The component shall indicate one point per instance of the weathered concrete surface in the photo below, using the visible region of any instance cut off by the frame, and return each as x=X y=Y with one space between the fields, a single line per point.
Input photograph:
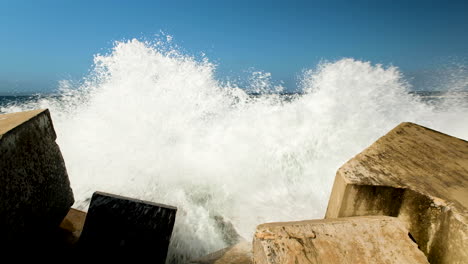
x=71 y=227
x=366 y=239
x=418 y=175
x=126 y=227
x=35 y=192
x=63 y=238
x=240 y=253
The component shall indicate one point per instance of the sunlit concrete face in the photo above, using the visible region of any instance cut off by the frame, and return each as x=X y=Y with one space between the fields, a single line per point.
x=364 y=239
x=418 y=175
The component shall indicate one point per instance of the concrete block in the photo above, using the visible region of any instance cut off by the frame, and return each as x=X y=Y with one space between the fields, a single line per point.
x=121 y=226
x=241 y=253
x=71 y=228
x=374 y=239
x=418 y=175
x=35 y=193
x=63 y=239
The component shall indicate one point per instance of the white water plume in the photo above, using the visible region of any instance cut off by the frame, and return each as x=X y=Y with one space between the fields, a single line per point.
x=154 y=124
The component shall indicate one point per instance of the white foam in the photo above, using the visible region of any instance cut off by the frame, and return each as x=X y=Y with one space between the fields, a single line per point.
x=154 y=124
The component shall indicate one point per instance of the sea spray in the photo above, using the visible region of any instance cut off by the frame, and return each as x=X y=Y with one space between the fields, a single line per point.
x=153 y=123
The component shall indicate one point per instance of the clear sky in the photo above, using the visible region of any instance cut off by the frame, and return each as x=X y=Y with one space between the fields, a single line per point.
x=42 y=42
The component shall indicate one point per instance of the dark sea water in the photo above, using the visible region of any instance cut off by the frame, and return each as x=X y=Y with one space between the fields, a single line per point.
x=19 y=102
x=425 y=95
x=7 y=100
x=430 y=97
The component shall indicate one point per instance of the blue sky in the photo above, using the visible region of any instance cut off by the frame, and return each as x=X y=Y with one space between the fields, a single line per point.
x=42 y=42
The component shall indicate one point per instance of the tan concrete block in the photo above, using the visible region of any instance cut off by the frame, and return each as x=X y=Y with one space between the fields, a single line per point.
x=240 y=253
x=418 y=175
x=367 y=239
x=72 y=226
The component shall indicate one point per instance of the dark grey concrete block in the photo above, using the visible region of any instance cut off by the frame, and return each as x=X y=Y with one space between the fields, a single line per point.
x=35 y=193
x=120 y=226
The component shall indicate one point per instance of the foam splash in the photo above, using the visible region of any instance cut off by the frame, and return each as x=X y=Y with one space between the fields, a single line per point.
x=154 y=124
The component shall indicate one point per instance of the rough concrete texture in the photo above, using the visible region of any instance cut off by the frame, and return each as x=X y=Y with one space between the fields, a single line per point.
x=418 y=175
x=35 y=193
x=240 y=253
x=365 y=239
